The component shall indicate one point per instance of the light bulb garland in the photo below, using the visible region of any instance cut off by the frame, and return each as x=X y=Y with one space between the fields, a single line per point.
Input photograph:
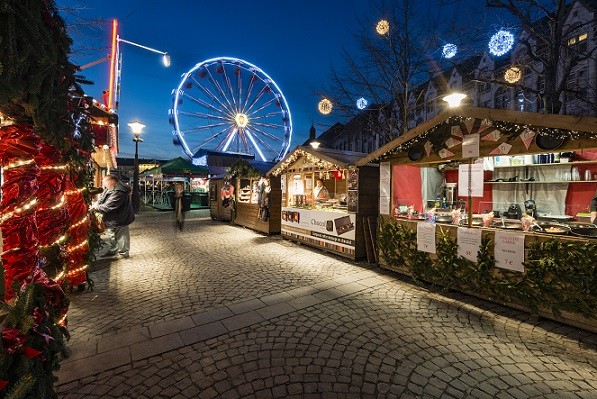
x=299 y=153
x=20 y=209
x=18 y=164
x=80 y=222
x=60 y=240
x=513 y=74
x=510 y=129
x=501 y=42
x=77 y=247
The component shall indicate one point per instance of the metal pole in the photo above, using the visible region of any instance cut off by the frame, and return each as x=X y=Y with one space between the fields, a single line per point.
x=136 y=196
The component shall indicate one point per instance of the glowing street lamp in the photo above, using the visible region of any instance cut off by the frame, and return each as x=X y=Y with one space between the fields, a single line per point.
x=454 y=99
x=137 y=128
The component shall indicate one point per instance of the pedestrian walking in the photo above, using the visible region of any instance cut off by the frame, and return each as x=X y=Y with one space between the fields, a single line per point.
x=117 y=211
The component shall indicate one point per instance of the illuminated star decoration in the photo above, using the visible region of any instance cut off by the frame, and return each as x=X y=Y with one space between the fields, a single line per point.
x=449 y=50
x=325 y=106
x=382 y=27
x=362 y=103
x=501 y=43
x=513 y=74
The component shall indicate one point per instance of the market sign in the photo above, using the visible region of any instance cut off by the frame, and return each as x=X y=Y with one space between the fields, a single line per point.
x=469 y=243
x=509 y=251
x=426 y=237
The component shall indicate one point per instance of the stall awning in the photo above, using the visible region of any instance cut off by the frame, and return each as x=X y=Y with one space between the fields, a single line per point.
x=496 y=126
x=179 y=167
x=331 y=159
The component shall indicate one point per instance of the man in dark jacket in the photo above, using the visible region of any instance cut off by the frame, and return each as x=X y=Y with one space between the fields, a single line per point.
x=115 y=206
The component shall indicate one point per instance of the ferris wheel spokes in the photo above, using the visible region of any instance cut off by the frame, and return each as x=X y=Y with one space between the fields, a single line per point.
x=214 y=97
x=217 y=85
x=256 y=146
x=204 y=103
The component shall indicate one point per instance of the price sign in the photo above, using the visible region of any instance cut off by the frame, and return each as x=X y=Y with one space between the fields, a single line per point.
x=469 y=242
x=509 y=251
x=426 y=237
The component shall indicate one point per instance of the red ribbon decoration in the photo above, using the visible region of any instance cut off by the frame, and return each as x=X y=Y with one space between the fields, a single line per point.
x=77 y=251
x=19 y=231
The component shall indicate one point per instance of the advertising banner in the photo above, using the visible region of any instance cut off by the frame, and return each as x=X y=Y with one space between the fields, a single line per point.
x=334 y=227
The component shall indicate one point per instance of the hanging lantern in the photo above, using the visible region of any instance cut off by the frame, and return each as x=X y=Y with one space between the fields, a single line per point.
x=382 y=27
x=325 y=106
x=513 y=74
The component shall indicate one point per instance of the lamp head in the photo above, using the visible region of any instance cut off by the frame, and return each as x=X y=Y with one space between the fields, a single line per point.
x=315 y=144
x=166 y=60
x=454 y=99
x=136 y=127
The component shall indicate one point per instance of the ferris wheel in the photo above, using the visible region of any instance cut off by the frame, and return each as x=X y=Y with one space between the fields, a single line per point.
x=230 y=105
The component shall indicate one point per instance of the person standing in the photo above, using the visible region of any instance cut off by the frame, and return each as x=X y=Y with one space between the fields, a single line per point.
x=117 y=210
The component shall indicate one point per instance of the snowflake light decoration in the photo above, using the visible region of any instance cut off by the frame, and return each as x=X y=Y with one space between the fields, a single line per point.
x=362 y=103
x=501 y=43
x=382 y=27
x=513 y=74
x=449 y=50
x=325 y=106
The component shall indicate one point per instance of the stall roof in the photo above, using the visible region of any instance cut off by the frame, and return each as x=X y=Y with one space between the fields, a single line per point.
x=338 y=158
x=179 y=166
x=566 y=123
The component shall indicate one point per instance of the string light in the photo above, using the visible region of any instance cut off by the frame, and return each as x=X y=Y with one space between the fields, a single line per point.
x=80 y=222
x=75 y=191
x=9 y=250
x=299 y=153
x=449 y=50
x=78 y=270
x=19 y=163
x=23 y=208
x=60 y=204
x=77 y=247
x=54 y=167
x=60 y=240
x=362 y=103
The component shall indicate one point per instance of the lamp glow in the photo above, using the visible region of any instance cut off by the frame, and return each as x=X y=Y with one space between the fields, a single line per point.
x=454 y=99
x=501 y=43
x=513 y=74
x=136 y=127
x=315 y=144
x=362 y=103
x=241 y=120
x=449 y=50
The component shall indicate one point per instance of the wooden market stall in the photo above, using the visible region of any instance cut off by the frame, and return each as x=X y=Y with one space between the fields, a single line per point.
x=334 y=213
x=508 y=214
x=258 y=198
x=221 y=198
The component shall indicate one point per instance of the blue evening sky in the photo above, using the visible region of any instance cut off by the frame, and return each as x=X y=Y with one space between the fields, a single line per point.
x=294 y=42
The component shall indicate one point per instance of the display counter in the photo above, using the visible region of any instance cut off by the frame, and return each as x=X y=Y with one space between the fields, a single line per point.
x=327 y=202
x=548 y=274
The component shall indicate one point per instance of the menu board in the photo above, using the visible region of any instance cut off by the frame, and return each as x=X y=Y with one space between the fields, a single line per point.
x=470 y=180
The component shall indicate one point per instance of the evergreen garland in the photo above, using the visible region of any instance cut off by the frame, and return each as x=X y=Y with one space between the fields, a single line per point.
x=559 y=275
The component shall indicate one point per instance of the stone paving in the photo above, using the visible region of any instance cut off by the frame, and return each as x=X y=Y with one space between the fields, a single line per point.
x=219 y=311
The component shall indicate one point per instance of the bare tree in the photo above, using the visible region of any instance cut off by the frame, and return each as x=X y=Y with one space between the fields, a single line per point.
x=549 y=51
x=386 y=66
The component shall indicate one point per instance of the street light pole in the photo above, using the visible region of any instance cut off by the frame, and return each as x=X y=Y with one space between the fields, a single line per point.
x=136 y=127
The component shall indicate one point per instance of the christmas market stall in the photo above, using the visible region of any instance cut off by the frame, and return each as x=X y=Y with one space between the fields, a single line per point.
x=221 y=197
x=258 y=197
x=158 y=184
x=495 y=203
x=327 y=201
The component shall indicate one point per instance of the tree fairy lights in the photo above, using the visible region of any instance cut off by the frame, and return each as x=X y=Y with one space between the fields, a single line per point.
x=501 y=42
x=325 y=106
x=362 y=103
x=513 y=74
x=382 y=27
x=449 y=50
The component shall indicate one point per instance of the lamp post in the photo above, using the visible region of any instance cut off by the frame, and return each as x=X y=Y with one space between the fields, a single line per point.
x=136 y=127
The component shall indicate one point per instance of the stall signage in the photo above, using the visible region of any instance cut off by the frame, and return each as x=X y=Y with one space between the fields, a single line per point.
x=470 y=176
x=384 y=188
x=470 y=146
x=469 y=242
x=335 y=227
x=509 y=251
x=426 y=237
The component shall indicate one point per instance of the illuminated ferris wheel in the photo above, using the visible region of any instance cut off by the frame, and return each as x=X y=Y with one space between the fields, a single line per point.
x=229 y=105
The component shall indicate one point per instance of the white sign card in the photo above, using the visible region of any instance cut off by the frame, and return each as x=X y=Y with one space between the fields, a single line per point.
x=469 y=242
x=470 y=146
x=384 y=188
x=426 y=237
x=470 y=173
x=509 y=251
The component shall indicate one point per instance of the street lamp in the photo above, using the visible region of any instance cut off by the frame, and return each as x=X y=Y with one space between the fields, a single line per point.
x=136 y=127
x=454 y=99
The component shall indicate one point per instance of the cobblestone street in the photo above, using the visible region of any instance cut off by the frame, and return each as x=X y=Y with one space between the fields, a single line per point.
x=219 y=311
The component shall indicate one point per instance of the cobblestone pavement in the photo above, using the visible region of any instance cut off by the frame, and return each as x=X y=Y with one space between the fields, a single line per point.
x=219 y=311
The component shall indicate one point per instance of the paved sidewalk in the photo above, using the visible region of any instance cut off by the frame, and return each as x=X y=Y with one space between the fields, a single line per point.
x=219 y=311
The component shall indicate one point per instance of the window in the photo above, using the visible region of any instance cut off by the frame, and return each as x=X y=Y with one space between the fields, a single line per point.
x=578 y=43
x=502 y=99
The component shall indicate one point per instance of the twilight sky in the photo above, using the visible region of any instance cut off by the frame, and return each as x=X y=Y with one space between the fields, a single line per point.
x=293 y=41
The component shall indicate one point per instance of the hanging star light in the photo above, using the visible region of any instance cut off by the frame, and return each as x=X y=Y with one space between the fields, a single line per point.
x=325 y=106
x=383 y=27
x=501 y=43
x=513 y=74
x=449 y=50
x=362 y=103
